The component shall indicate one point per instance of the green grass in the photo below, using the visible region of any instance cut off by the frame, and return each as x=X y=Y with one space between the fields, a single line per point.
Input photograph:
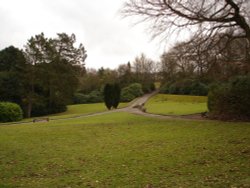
x=176 y=104
x=124 y=150
x=82 y=109
x=77 y=110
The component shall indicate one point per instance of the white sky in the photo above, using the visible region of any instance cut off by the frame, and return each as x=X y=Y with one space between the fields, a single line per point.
x=108 y=39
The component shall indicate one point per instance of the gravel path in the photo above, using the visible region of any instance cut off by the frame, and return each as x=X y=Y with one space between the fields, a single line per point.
x=135 y=107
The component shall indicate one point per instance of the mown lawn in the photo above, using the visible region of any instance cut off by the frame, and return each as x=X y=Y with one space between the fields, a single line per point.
x=78 y=110
x=124 y=150
x=176 y=104
x=82 y=109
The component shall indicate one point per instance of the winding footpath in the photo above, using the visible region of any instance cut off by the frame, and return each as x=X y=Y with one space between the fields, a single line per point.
x=135 y=107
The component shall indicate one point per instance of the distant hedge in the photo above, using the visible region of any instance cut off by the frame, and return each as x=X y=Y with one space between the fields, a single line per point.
x=230 y=101
x=185 y=87
x=10 y=112
x=93 y=97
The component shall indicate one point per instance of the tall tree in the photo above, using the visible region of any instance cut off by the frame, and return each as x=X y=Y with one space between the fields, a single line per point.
x=205 y=18
x=13 y=75
x=210 y=16
x=55 y=65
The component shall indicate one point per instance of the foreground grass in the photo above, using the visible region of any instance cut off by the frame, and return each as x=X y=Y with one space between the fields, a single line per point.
x=123 y=150
x=176 y=104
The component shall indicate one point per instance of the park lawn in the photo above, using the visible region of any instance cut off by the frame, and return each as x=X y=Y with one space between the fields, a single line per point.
x=77 y=110
x=125 y=150
x=176 y=104
x=83 y=109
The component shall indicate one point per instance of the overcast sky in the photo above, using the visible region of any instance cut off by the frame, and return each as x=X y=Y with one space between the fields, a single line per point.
x=108 y=39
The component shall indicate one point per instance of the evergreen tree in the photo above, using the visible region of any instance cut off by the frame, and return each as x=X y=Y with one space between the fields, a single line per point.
x=116 y=95
x=13 y=75
x=112 y=94
x=108 y=95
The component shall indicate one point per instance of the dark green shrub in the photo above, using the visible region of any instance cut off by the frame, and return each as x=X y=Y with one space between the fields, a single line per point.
x=148 y=87
x=135 y=89
x=10 y=112
x=231 y=100
x=95 y=97
x=42 y=107
x=152 y=86
x=165 y=88
x=126 y=95
x=131 y=92
x=116 y=95
x=199 y=89
x=185 y=87
x=112 y=94
x=107 y=92
x=80 y=98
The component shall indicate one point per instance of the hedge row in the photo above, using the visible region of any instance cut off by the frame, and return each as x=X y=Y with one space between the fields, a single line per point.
x=185 y=87
x=230 y=101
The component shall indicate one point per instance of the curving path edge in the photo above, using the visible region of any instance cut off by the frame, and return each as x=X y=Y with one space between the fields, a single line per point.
x=135 y=107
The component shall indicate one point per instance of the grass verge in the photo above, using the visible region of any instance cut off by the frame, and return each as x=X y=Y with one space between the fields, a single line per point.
x=176 y=104
x=124 y=150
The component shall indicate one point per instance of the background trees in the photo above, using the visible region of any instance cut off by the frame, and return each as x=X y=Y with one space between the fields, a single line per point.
x=204 y=20
x=43 y=78
x=13 y=75
x=56 y=63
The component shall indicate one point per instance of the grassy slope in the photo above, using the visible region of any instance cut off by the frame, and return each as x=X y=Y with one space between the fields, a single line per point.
x=81 y=109
x=176 y=104
x=123 y=150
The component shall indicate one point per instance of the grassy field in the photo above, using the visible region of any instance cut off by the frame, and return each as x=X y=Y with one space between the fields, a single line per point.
x=176 y=104
x=124 y=150
x=81 y=109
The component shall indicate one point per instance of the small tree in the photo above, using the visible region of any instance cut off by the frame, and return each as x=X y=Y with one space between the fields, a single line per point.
x=116 y=95
x=112 y=94
x=108 y=95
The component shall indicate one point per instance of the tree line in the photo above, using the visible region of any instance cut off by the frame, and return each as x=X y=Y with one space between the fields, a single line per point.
x=218 y=49
x=42 y=77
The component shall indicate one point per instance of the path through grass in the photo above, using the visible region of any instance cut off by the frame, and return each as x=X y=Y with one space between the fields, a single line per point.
x=124 y=150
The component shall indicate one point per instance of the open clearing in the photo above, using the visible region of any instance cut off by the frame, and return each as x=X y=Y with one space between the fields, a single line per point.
x=176 y=104
x=125 y=150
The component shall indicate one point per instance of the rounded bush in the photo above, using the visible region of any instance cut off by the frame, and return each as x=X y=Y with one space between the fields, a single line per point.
x=148 y=87
x=199 y=89
x=126 y=95
x=10 y=112
x=80 y=98
x=131 y=92
x=165 y=88
x=93 y=97
x=230 y=101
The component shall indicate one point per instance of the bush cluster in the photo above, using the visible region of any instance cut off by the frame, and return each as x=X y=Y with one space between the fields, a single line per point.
x=148 y=87
x=10 y=112
x=93 y=97
x=185 y=87
x=230 y=101
x=131 y=92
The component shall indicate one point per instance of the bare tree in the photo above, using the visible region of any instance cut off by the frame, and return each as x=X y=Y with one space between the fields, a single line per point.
x=203 y=17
